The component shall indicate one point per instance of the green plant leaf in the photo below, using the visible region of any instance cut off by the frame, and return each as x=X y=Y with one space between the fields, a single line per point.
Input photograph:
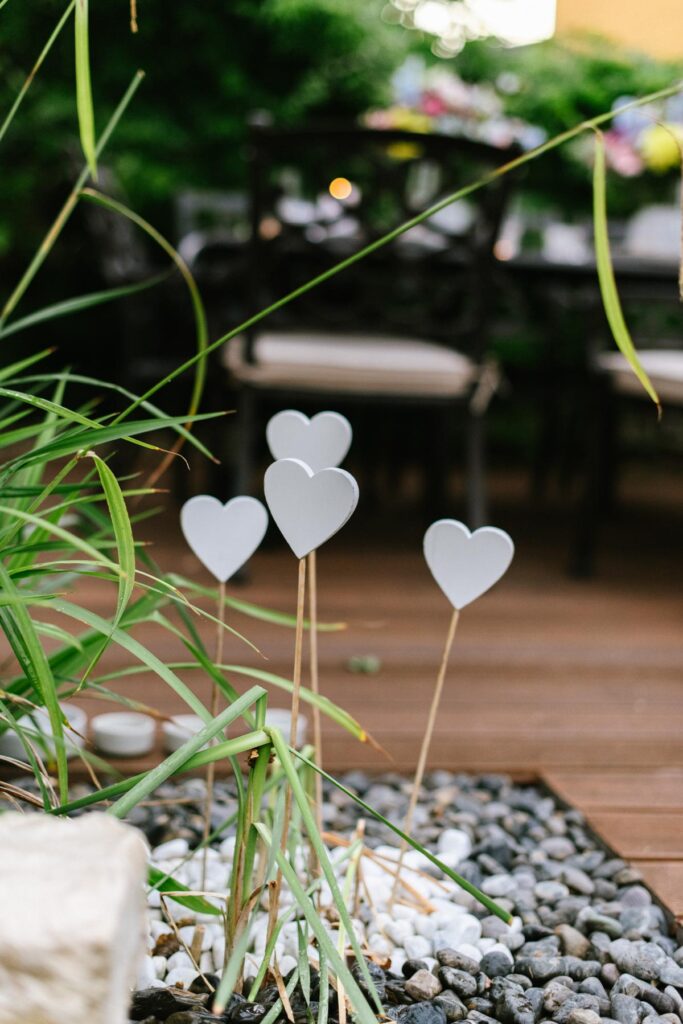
x=64 y=17
x=481 y=897
x=175 y=761
x=363 y=1012
x=608 y=287
x=86 y=115
x=167 y=884
x=67 y=209
x=26 y=645
x=125 y=547
x=76 y=305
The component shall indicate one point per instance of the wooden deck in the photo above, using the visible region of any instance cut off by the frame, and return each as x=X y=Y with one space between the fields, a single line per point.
x=579 y=683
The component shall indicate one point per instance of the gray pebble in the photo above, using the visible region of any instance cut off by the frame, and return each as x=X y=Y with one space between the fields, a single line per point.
x=625 y=1009
x=451 y=958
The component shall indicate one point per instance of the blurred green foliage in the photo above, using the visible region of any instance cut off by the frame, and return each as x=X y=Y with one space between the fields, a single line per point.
x=208 y=66
x=557 y=84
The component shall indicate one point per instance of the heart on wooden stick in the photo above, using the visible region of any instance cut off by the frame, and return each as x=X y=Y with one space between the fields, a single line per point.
x=223 y=537
x=321 y=442
x=308 y=507
x=464 y=564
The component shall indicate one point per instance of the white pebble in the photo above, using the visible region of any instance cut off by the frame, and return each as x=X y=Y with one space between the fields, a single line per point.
x=173 y=848
x=160 y=966
x=206 y=963
x=499 y=885
x=180 y=976
x=146 y=973
x=180 y=961
x=379 y=945
x=397 y=960
x=286 y=964
x=467 y=949
x=455 y=841
x=158 y=928
x=417 y=947
x=399 y=930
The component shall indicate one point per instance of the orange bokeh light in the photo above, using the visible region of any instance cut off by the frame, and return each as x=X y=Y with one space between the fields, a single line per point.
x=340 y=188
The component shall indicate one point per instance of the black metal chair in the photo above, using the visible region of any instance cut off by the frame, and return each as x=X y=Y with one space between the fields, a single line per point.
x=408 y=324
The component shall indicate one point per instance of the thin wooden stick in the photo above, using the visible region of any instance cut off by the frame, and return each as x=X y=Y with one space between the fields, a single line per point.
x=211 y=768
x=314 y=684
x=424 y=751
x=274 y=900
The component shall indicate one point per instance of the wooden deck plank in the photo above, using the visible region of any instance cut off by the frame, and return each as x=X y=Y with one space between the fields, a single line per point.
x=639 y=836
x=645 y=791
x=665 y=878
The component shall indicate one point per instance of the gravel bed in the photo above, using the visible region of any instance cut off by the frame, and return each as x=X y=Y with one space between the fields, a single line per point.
x=588 y=945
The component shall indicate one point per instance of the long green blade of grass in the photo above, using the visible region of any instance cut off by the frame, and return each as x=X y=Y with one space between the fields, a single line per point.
x=78 y=304
x=167 y=884
x=36 y=67
x=201 y=328
x=137 y=649
x=175 y=761
x=84 y=104
x=254 y=611
x=303 y=803
x=220 y=752
x=374 y=246
x=362 y=1010
x=12 y=369
x=481 y=897
x=608 y=287
x=68 y=207
x=28 y=648
x=125 y=547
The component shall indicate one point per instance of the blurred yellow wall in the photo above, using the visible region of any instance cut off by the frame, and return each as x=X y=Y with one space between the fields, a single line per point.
x=651 y=26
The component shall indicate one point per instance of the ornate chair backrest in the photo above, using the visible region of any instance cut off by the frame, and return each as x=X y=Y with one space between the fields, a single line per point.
x=319 y=194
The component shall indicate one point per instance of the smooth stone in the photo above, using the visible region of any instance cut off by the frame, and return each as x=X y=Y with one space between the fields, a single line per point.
x=460 y=982
x=573 y=942
x=642 y=959
x=499 y=885
x=671 y=974
x=625 y=1009
x=452 y=958
x=424 y=1013
x=495 y=964
x=454 y=1009
x=583 y=1017
x=423 y=985
x=411 y=967
x=162 y=1002
x=558 y=847
x=576 y=1001
x=515 y=1008
x=577 y=880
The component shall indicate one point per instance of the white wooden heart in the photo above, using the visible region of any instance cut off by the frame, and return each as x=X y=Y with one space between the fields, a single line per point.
x=321 y=442
x=309 y=507
x=464 y=564
x=223 y=537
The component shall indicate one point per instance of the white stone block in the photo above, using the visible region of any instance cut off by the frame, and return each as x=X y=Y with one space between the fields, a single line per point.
x=73 y=927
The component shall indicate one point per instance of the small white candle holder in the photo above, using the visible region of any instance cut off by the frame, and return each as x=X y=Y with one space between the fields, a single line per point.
x=123 y=733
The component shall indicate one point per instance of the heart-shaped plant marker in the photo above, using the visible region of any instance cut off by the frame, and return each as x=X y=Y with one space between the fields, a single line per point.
x=308 y=507
x=321 y=442
x=464 y=564
x=223 y=537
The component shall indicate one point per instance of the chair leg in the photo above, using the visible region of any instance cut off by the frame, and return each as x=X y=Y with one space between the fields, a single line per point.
x=599 y=468
x=477 y=510
x=244 y=460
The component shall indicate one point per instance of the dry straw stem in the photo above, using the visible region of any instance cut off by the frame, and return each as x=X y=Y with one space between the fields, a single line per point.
x=424 y=750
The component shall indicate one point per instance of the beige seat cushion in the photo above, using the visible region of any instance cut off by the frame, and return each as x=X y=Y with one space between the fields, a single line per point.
x=324 y=361
x=664 y=367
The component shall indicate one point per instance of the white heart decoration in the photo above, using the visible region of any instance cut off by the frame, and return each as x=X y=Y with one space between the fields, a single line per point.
x=223 y=537
x=309 y=507
x=320 y=442
x=464 y=564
